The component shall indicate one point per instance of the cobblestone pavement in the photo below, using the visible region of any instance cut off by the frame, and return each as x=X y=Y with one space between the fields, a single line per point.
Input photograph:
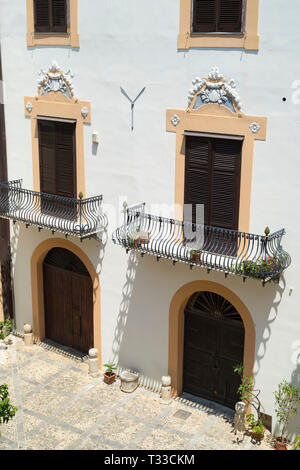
x=61 y=407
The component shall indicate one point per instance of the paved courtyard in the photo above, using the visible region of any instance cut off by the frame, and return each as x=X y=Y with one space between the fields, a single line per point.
x=61 y=407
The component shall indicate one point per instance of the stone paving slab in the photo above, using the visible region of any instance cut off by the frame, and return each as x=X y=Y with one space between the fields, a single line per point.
x=61 y=407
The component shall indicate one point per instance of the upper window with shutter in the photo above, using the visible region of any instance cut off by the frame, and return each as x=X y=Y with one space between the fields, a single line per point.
x=50 y=16
x=52 y=23
x=219 y=24
x=217 y=16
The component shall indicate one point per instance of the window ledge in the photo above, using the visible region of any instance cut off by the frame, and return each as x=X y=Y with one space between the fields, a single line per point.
x=218 y=40
x=53 y=39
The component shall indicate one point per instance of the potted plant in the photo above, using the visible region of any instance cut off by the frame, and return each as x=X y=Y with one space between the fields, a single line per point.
x=142 y=238
x=250 y=396
x=109 y=374
x=287 y=399
x=195 y=255
x=5 y=329
x=256 y=427
x=7 y=411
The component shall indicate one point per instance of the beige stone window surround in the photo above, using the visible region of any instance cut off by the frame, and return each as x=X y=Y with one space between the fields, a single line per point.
x=248 y=40
x=71 y=38
x=216 y=119
x=60 y=104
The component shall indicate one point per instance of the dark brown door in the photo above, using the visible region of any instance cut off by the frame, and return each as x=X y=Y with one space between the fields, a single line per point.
x=57 y=167
x=213 y=345
x=68 y=300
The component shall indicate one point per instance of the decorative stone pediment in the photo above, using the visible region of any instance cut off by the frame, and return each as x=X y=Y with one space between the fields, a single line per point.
x=214 y=89
x=57 y=81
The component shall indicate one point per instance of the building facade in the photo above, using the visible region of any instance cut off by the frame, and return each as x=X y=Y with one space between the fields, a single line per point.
x=171 y=103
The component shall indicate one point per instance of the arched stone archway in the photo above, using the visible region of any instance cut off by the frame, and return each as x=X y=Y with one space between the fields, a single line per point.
x=38 y=312
x=176 y=328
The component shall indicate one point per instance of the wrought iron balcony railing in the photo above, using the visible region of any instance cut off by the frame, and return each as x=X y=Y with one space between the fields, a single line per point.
x=249 y=255
x=78 y=217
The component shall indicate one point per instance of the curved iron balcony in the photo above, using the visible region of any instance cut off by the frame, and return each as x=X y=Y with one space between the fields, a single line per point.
x=249 y=255
x=77 y=217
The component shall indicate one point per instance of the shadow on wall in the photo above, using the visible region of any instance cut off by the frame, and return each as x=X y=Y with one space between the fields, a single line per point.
x=140 y=340
x=266 y=314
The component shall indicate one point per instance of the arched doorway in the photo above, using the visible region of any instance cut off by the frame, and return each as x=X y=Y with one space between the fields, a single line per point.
x=214 y=337
x=68 y=300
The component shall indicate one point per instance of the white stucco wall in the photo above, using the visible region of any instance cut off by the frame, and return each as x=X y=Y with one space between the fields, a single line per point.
x=134 y=44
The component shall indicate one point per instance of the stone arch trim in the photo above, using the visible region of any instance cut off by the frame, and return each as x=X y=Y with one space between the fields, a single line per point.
x=38 y=313
x=176 y=328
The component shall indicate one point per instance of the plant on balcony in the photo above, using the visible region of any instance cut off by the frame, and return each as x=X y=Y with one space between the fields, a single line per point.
x=250 y=396
x=287 y=398
x=261 y=267
x=7 y=411
x=5 y=329
x=195 y=255
x=109 y=374
x=137 y=238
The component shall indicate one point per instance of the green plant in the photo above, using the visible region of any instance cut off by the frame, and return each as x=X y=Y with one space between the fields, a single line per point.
x=247 y=392
x=7 y=411
x=5 y=328
x=110 y=369
x=132 y=237
x=256 y=426
x=287 y=399
x=261 y=267
x=296 y=445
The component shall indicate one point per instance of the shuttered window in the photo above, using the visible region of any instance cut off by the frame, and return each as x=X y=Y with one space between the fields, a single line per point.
x=212 y=178
x=57 y=158
x=50 y=16
x=217 y=16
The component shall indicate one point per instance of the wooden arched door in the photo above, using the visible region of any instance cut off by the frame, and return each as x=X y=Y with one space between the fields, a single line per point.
x=68 y=300
x=213 y=344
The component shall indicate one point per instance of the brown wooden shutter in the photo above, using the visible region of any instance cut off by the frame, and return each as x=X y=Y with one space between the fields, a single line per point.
x=204 y=16
x=225 y=195
x=217 y=16
x=197 y=175
x=230 y=16
x=42 y=16
x=59 y=16
x=65 y=159
x=212 y=178
x=47 y=157
x=57 y=158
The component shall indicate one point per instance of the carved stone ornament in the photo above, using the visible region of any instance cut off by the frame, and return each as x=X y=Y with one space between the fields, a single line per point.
x=29 y=106
x=254 y=127
x=175 y=120
x=56 y=80
x=215 y=89
x=84 y=112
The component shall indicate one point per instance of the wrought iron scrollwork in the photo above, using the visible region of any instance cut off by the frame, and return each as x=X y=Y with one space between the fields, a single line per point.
x=233 y=252
x=78 y=217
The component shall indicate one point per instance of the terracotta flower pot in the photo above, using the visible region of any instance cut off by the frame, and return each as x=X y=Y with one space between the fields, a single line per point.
x=142 y=239
x=109 y=379
x=258 y=436
x=196 y=257
x=281 y=443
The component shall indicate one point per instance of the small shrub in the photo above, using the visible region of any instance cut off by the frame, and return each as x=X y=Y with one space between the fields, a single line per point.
x=7 y=411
